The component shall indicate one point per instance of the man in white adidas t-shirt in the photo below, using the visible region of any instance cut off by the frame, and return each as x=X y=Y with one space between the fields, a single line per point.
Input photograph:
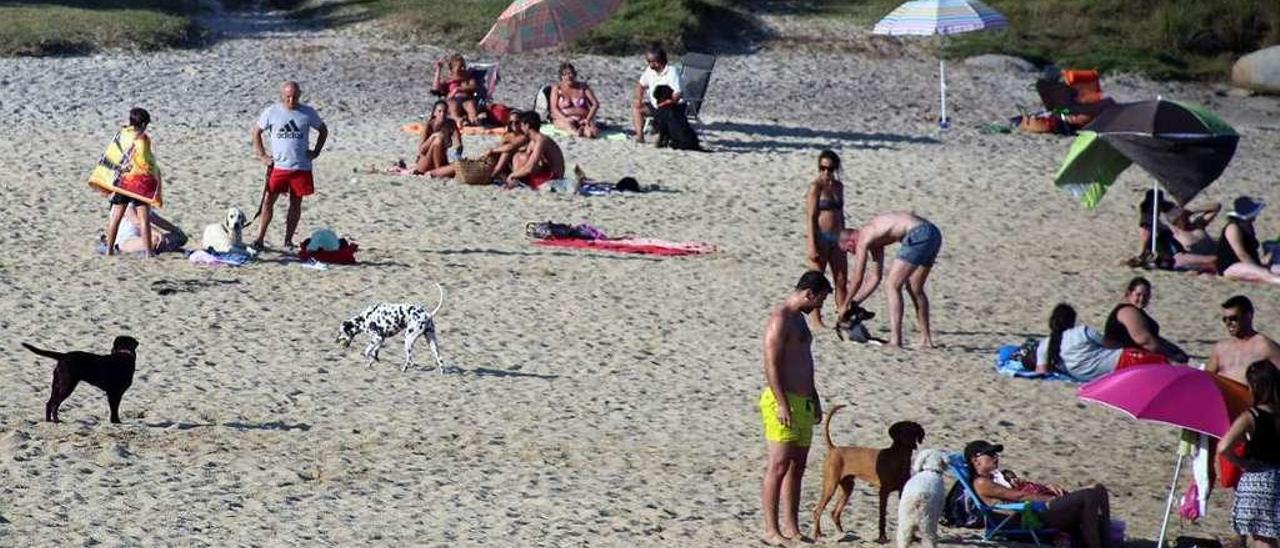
x=659 y=73
x=289 y=124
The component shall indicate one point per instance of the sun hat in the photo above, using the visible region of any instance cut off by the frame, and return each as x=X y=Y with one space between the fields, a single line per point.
x=323 y=240
x=981 y=447
x=1246 y=208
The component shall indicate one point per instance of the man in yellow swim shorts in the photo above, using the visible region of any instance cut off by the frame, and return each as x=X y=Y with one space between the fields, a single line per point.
x=789 y=405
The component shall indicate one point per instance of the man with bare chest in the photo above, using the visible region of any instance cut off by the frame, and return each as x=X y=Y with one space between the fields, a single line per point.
x=1232 y=356
x=789 y=404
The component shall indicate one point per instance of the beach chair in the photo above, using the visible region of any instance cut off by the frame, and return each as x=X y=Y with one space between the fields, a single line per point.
x=1000 y=520
x=1079 y=94
x=486 y=75
x=542 y=102
x=695 y=76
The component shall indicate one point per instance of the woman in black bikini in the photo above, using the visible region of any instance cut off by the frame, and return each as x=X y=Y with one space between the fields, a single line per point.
x=824 y=216
x=574 y=105
x=1129 y=327
x=1238 y=257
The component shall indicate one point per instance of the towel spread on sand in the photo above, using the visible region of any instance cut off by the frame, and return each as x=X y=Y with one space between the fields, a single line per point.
x=205 y=258
x=641 y=246
x=1007 y=366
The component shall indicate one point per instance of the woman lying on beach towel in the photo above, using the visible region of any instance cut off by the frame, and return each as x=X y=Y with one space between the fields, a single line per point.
x=1076 y=350
x=165 y=236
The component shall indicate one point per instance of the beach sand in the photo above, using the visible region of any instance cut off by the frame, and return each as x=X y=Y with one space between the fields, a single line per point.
x=601 y=400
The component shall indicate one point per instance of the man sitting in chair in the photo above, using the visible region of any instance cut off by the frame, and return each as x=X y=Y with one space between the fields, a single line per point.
x=659 y=73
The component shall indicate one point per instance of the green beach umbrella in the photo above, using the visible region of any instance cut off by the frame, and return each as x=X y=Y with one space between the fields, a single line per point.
x=1184 y=147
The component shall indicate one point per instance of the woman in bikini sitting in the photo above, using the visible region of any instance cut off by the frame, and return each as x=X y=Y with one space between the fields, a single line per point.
x=441 y=142
x=573 y=104
x=459 y=90
x=824 y=214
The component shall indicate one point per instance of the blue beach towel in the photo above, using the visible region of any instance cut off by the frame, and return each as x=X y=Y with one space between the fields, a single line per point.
x=1007 y=366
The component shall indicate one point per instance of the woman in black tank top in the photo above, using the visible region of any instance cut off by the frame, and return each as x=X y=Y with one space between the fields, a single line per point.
x=1256 y=510
x=1116 y=334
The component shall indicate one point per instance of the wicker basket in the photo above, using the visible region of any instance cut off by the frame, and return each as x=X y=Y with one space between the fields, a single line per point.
x=474 y=172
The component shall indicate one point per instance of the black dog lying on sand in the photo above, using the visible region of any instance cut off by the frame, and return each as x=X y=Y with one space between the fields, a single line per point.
x=113 y=373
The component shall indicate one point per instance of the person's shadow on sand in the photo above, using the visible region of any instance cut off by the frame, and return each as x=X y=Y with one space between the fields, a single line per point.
x=802 y=138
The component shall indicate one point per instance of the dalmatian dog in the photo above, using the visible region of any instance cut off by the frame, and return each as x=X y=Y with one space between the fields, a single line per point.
x=228 y=236
x=384 y=320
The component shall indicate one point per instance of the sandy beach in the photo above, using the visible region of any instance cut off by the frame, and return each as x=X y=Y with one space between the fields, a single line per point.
x=599 y=400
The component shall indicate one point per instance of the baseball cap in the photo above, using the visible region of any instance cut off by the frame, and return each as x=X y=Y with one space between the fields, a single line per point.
x=981 y=447
x=1246 y=208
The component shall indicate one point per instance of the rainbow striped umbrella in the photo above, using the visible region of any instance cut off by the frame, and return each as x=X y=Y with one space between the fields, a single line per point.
x=941 y=17
x=528 y=25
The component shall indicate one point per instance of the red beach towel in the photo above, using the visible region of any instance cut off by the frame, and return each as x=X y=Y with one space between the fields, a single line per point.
x=641 y=246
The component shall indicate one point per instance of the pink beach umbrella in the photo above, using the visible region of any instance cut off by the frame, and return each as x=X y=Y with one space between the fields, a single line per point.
x=1180 y=396
x=1171 y=394
x=536 y=24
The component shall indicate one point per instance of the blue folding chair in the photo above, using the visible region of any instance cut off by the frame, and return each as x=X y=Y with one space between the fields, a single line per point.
x=999 y=520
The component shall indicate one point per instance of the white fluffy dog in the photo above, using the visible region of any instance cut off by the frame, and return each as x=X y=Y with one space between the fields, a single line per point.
x=228 y=236
x=920 y=505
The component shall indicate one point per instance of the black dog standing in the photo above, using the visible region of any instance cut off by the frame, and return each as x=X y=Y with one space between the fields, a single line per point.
x=113 y=373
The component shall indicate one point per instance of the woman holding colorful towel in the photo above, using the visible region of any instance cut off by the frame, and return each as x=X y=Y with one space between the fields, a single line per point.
x=139 y=175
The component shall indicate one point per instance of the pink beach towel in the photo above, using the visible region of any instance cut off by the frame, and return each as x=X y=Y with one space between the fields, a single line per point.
x=642 y=246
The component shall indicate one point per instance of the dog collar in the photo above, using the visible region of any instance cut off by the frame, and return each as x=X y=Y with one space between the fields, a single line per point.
x=124 y=351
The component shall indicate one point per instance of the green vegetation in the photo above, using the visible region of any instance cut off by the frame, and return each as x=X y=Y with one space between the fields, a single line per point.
x=78 y=26
x=675 y=23
x=1177 y=39
x=1166 y=39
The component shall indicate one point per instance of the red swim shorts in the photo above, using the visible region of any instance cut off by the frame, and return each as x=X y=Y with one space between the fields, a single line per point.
x=297 y=182
x=1137 y=356
x=538 y=178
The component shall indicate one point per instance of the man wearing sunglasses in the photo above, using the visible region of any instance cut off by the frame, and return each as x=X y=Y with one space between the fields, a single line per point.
x=1232 y=356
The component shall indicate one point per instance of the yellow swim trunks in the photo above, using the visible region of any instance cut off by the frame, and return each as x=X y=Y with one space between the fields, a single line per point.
x=802 y=419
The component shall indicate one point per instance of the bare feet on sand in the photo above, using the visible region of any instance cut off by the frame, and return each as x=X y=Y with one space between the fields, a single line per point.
x=775 y=539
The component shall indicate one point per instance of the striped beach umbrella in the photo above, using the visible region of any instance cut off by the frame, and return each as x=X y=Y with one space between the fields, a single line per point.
x=528 y=25
x=940 y=17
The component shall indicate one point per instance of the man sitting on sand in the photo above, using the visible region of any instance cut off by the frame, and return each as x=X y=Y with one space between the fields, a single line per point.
x=921 y=240
x=540 y=160
x=1231 y=357
x=789 y=405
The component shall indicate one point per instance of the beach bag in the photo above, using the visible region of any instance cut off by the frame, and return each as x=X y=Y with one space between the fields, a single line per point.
x=1190 y=507
x=474 y=172
x=499 y=114
x=548 y=230
x=959 y=509
x=1026 y=354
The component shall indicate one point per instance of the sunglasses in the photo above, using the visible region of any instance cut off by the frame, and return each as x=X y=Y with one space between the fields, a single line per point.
x=1234 y=318
x=830 y=169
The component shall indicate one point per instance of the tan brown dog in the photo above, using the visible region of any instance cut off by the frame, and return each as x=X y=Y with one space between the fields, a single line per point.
x=887 y=468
